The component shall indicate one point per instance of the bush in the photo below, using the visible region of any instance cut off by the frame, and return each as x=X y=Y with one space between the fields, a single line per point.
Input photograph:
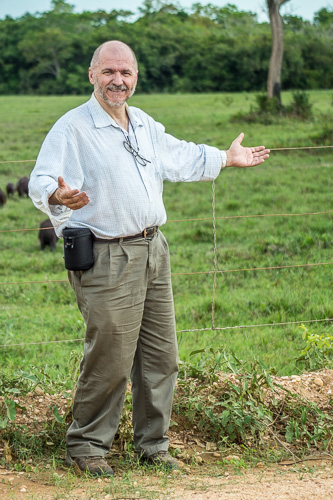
x=269 y=110
x=248 y=407
x=300 y=106
x=318 y=351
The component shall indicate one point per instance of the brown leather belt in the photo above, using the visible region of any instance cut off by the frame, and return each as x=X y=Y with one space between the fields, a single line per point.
x=149 y=231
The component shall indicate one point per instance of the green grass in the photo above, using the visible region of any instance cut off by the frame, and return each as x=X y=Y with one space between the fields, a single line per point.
x=289 y=182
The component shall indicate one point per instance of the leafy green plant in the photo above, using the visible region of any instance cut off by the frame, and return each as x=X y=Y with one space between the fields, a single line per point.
x=237 y=413
x=7 y=412
x=44 y=438
x=241 y=408
x=307 y=424
x=208 y=362
x=317 y=352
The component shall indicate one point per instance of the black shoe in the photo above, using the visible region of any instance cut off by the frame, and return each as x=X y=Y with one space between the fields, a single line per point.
x=95 y=466
x=161 y=459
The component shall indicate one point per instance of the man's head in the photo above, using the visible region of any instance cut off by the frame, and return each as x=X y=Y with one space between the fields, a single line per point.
x=114 y=73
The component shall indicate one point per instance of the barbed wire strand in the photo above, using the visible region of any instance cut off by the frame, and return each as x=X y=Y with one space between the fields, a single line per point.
x=251 y=216
x=184 y=331
x=271 y=149
x=194 y=273
x=300 y=147
x=17 y=161
x=33 y=282
x=254 y=326
x=253 y=269
x=197 y=219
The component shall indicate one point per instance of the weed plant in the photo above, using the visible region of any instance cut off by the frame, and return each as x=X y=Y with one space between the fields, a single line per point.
x=247 y=410
x=269 y=110
x=317 y=352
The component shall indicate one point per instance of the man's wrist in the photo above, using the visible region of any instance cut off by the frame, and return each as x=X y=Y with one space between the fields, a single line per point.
x=54 y=198
x=224 y=158
x=228 y=161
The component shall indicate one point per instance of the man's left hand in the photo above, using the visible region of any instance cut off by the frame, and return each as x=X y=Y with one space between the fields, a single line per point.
x=238 y=156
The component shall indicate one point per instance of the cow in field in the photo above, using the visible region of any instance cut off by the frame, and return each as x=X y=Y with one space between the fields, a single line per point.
x=47 y=235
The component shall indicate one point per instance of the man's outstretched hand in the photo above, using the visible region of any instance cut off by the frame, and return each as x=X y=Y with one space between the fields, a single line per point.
x=238 y=156
x=71 y=198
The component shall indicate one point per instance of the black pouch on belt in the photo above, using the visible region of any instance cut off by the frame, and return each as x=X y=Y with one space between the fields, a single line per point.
x=78 y=248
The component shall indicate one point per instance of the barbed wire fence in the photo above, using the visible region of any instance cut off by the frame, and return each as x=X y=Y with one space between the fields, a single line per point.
x=215 y=272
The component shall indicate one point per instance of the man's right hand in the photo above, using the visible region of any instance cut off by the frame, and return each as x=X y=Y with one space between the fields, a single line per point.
x=71 y=198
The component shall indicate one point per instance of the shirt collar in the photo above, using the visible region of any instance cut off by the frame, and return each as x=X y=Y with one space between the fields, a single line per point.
x=102 y=119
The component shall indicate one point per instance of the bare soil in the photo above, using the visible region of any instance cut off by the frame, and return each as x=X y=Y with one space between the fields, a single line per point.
x=205 y=472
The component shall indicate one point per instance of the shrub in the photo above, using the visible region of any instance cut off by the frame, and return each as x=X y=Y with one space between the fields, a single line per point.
x=269 y=110
x=317 y=352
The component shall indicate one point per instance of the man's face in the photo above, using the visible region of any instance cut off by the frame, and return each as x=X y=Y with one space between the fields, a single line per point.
x=114 y=76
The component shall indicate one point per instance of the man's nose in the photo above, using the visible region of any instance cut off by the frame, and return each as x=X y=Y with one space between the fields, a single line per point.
x=117 y=78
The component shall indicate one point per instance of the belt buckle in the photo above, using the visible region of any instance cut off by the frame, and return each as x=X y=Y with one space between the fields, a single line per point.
x=145 y=233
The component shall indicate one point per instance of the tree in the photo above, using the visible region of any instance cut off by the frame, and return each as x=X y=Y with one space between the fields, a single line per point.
x=275 y=65
x=47 y=49
x=202 y=49
x=62 y=7
x=324 y=17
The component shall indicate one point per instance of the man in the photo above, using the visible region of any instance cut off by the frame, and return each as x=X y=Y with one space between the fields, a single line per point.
x=102 y=167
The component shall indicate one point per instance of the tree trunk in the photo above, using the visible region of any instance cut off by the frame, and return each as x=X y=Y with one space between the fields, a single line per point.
x=275 y=65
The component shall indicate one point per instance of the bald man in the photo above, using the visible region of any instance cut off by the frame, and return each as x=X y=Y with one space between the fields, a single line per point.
x=101 y=168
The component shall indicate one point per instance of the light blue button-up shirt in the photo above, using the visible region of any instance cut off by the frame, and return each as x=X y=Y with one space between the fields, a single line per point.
x=85 y=147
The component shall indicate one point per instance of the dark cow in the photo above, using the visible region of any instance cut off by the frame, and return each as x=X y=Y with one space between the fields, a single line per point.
x=47 y=236
x=10 y=189
x=22 y=186
x=3 y=198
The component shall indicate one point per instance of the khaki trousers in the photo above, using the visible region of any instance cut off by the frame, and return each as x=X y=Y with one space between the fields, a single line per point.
x=127 y=304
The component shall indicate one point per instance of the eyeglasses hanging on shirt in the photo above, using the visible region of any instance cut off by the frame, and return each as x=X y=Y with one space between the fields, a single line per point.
x=135 y=152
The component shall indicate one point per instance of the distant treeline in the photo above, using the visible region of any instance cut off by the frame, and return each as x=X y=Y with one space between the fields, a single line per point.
x=202 y=49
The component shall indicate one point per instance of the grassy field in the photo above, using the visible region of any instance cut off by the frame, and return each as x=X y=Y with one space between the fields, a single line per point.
x=293 y=182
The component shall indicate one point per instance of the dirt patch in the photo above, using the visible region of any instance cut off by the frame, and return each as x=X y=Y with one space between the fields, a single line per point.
x=306 y=481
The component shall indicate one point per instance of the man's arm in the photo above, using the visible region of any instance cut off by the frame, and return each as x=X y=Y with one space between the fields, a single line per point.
x=238 y=156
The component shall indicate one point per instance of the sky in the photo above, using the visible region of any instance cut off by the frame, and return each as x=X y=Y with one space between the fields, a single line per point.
x=301 y=8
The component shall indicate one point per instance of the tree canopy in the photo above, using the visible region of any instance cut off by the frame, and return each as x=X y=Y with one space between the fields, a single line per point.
x=202 y=49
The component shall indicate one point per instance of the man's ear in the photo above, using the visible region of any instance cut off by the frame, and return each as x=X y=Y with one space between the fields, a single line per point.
x=91 y=76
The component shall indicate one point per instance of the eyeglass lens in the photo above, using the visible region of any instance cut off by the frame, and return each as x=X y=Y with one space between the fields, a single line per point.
x=136 y=155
